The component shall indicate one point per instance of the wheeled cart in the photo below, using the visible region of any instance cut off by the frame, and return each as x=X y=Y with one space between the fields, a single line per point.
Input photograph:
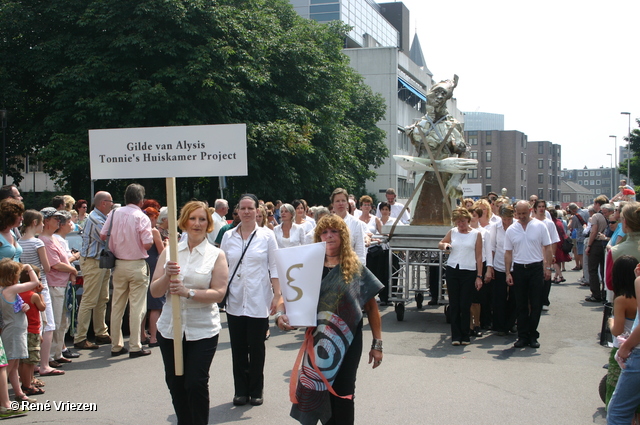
x=416 y=266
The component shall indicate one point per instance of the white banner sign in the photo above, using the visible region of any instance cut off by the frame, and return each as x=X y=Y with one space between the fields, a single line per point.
x=300 y=274
x=185 y=151
x=471 y=189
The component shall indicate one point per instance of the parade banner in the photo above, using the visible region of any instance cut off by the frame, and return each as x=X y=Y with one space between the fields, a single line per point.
x=169 y=152
x=300 y=273
x=184 y=151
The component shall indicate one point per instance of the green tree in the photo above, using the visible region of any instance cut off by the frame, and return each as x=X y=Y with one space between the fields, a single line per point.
x=635 y=159
x=73 y=65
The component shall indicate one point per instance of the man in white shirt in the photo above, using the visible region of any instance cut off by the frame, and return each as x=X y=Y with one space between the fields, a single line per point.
x=540 y=211
x=221 y=209
x=527 y=246
x=396 y=207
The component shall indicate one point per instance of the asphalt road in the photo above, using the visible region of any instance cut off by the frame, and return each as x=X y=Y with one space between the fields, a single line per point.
x=423 y=379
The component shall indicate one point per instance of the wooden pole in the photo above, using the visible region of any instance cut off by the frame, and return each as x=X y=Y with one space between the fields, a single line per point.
x=172 y=210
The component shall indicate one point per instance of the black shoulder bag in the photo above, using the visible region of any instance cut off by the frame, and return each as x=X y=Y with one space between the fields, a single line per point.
x=108 y=258
x=226 y=295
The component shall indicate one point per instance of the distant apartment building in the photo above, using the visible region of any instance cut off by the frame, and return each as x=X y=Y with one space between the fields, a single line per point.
x=544 y=171
x=502 y=161
x=483 y=121
x=597 y=180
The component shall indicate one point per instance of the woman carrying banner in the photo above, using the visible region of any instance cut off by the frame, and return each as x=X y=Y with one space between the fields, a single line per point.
x=203 y=273
x=254 y=281
x=323 y=390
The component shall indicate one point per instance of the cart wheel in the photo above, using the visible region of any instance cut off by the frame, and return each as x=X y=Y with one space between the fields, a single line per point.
x=419 y=299
x=400 y=312
x=602 y=388
x=446 y=314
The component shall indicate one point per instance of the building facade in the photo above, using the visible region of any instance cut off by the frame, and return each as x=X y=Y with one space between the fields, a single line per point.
x=544 y=171
x=597 y=180
x=483 y=121
x=502 y=161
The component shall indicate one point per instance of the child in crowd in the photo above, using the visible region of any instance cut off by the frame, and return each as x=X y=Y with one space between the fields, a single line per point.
x=36 y=305
x=34 y=253
x=12 y=308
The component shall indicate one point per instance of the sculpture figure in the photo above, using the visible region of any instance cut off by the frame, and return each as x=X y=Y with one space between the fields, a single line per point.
x=441 y=156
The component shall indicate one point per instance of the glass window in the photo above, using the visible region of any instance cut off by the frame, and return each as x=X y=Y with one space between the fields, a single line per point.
x=540 y=178
x=540 y=193
x=579 y=173
x=591 y=173
x=598 y=173
x=473 y=141
x=323 y=8
x=473 y=154
x=487 y=188
x=598 y=182
x=473 y=174
x=592 y=182
x=487 y=156
x=325 y=17
x=540 y=148
x=540 y=164
x=487 y=173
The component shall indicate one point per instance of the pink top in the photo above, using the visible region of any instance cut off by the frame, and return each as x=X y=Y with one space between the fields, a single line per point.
x=55 y=254
x=131 y=230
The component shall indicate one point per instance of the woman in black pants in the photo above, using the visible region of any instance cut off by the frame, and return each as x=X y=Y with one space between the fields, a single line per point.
x=464 y=272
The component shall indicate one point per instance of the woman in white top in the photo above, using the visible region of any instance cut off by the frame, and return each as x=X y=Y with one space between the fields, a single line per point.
x=250 y=251
x=385 y=212
x=301 y=219
x=503 y=300
x=287 y=232
x=201 y=275
x=464 y=267
x=481 y=300
x=373 y=223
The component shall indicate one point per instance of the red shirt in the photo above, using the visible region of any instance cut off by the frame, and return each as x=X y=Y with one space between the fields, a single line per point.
x=33 y=314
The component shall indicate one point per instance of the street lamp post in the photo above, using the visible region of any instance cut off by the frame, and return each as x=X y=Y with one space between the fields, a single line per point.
x=615 y=157
x=611 y=160
x=628 y=148
x=3 y=116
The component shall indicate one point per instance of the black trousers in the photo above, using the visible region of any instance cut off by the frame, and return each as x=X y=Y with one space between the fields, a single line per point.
x=460 y=286
x=378 y=264
x=528 y=284
x=342 y=410
x=503 y=302
x=248 y=353
x=189 y=392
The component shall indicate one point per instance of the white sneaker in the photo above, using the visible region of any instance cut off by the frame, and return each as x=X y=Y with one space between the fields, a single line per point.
x=545 y=308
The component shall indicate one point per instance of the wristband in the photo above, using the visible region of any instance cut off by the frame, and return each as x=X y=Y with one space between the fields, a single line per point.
x=479 y=277
x=376 y=344
x=277 y=316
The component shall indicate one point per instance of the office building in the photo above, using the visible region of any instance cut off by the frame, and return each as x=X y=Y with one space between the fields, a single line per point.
x=483 y=121
x=544 y=171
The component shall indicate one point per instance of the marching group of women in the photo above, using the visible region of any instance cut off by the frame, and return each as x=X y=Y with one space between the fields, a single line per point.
x=242 y=273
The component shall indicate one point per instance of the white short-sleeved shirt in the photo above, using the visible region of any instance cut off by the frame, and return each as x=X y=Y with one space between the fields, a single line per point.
x=296 y=236
x=486 y=245
x=497 y=233
x=250 y=292
x=527 y=244
x=553 y=231
x=199 y=320
x=357 y=230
